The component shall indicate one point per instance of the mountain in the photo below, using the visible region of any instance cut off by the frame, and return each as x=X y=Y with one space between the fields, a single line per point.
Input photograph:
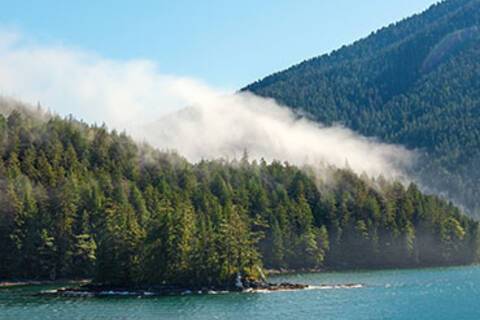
x=79 y=201
x=415 y=83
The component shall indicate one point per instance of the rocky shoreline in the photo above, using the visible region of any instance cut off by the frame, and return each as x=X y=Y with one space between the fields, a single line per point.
x=103 y=291
x=20 y=283
x=95 y=290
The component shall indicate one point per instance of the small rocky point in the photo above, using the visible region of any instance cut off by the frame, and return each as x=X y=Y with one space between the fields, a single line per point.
x=164 y=290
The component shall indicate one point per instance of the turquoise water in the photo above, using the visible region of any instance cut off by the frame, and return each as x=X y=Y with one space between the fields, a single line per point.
x=446 y=293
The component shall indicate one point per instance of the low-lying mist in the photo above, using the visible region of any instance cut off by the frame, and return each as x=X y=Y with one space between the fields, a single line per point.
x=217 y=125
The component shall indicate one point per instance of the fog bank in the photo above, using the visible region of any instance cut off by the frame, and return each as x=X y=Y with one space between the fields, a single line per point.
x=224 y=125
x=180 y=113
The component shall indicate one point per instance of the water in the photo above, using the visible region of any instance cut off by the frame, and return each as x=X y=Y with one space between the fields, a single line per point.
x=445 y=293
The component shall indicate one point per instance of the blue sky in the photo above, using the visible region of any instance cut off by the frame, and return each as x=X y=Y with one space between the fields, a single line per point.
x=226 y=44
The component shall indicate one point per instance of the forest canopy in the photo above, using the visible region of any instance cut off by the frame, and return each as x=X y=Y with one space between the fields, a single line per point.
x=80 y=201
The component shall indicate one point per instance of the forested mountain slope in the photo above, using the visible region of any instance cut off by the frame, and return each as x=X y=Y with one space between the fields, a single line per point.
x=78 y=201
x=416 y=83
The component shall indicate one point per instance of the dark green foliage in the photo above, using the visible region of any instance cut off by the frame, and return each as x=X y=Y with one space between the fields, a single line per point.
x=80 y=202
x=416 y=83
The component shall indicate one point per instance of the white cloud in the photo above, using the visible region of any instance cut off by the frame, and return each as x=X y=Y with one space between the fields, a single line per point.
x=91 y=87
x=132 y=94
x=223 y=125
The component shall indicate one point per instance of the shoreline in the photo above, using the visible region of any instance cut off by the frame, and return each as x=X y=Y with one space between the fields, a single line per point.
x=280 y=272
x=106 y=292
x=20 y=283
x=89 y=290
x=270 y=272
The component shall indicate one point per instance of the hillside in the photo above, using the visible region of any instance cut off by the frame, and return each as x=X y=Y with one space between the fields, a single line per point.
x=79 y=201
x=416 y=83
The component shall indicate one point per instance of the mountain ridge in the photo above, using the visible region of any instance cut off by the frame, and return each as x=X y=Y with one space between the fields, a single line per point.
x=413 y=83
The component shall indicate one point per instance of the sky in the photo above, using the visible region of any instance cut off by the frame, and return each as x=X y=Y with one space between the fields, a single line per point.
x=226 y=44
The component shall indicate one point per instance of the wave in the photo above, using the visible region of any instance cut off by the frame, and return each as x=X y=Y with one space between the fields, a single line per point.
x=311 y=287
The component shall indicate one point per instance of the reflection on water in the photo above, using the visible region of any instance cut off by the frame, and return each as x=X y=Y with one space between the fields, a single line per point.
x=447 y=293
